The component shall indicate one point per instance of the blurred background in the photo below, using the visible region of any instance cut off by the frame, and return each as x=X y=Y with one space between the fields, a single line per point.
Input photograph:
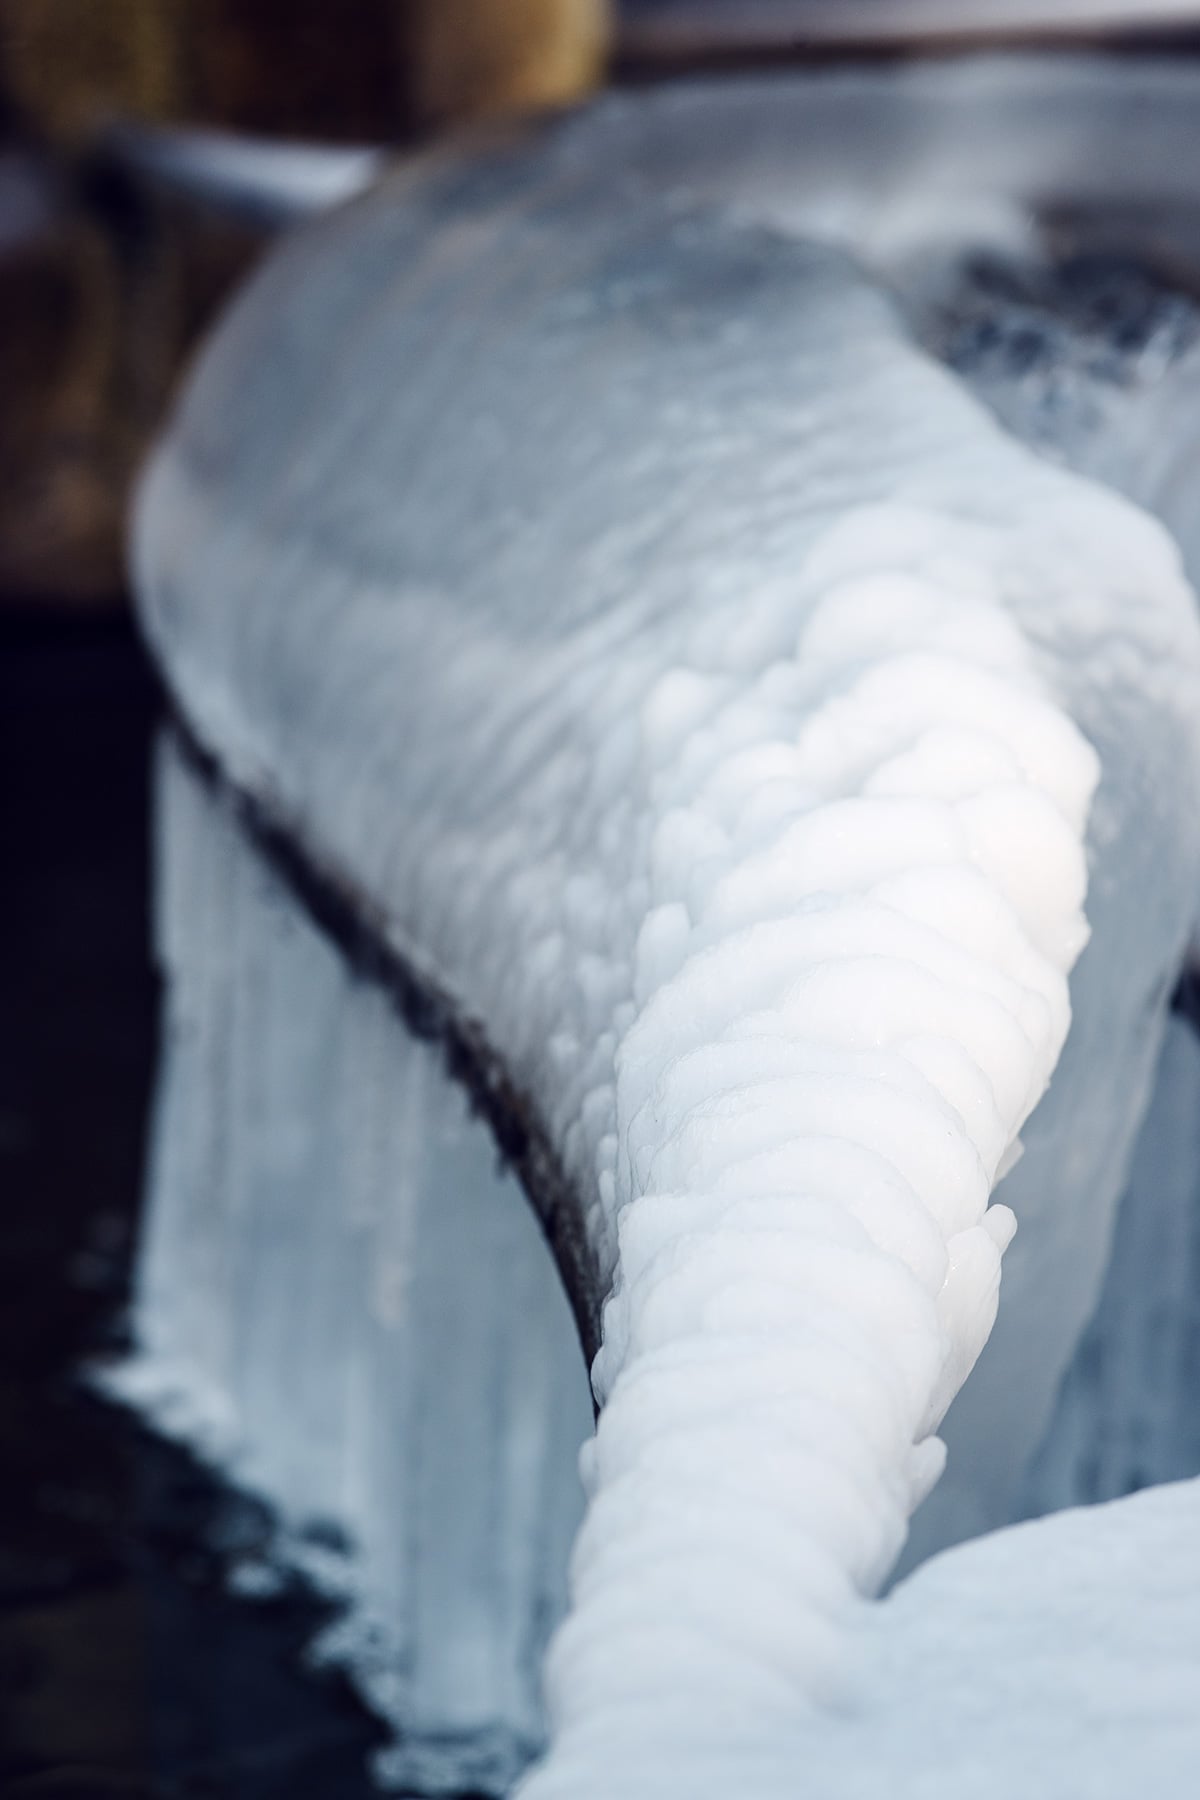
x=131 y=1661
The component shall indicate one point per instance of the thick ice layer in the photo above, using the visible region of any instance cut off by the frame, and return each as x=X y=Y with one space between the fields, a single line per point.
x=1127 y=1414
x=345 y=1303
x=702 y=693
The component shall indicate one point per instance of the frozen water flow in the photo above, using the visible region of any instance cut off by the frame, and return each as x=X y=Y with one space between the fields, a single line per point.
x=1127 y=1413
x=345 y=1303
x=727 y=725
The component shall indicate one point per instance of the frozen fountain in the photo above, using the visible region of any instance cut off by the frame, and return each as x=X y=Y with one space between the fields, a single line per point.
x=673 y=670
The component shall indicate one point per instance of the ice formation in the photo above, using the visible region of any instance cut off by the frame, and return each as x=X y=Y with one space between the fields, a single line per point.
x=266 y=181
x=699 y=701
x=345 y=1304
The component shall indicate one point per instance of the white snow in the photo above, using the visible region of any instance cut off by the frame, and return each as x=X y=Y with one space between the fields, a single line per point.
x=711 y=698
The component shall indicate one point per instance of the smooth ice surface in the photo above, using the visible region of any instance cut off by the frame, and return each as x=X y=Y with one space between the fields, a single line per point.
x=1127 y=1413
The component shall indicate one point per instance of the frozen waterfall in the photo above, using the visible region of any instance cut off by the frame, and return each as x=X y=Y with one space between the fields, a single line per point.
x=635 y=705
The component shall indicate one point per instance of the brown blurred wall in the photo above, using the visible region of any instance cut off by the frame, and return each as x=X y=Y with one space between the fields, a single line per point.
x=101 y=297
x=330 y=69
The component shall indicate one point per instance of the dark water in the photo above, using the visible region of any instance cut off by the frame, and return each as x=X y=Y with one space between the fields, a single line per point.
x=126 y=1667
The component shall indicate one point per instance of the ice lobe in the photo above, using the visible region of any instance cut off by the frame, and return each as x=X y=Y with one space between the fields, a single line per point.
x=1019 y=208
x=705 y=693
x=1059 y=1657
x=812 y=1109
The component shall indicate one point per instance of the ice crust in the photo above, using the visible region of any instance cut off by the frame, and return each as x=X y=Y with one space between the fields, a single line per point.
x=708 y=697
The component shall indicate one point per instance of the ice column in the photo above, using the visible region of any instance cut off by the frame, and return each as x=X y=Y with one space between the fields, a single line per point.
x=346 y=1302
